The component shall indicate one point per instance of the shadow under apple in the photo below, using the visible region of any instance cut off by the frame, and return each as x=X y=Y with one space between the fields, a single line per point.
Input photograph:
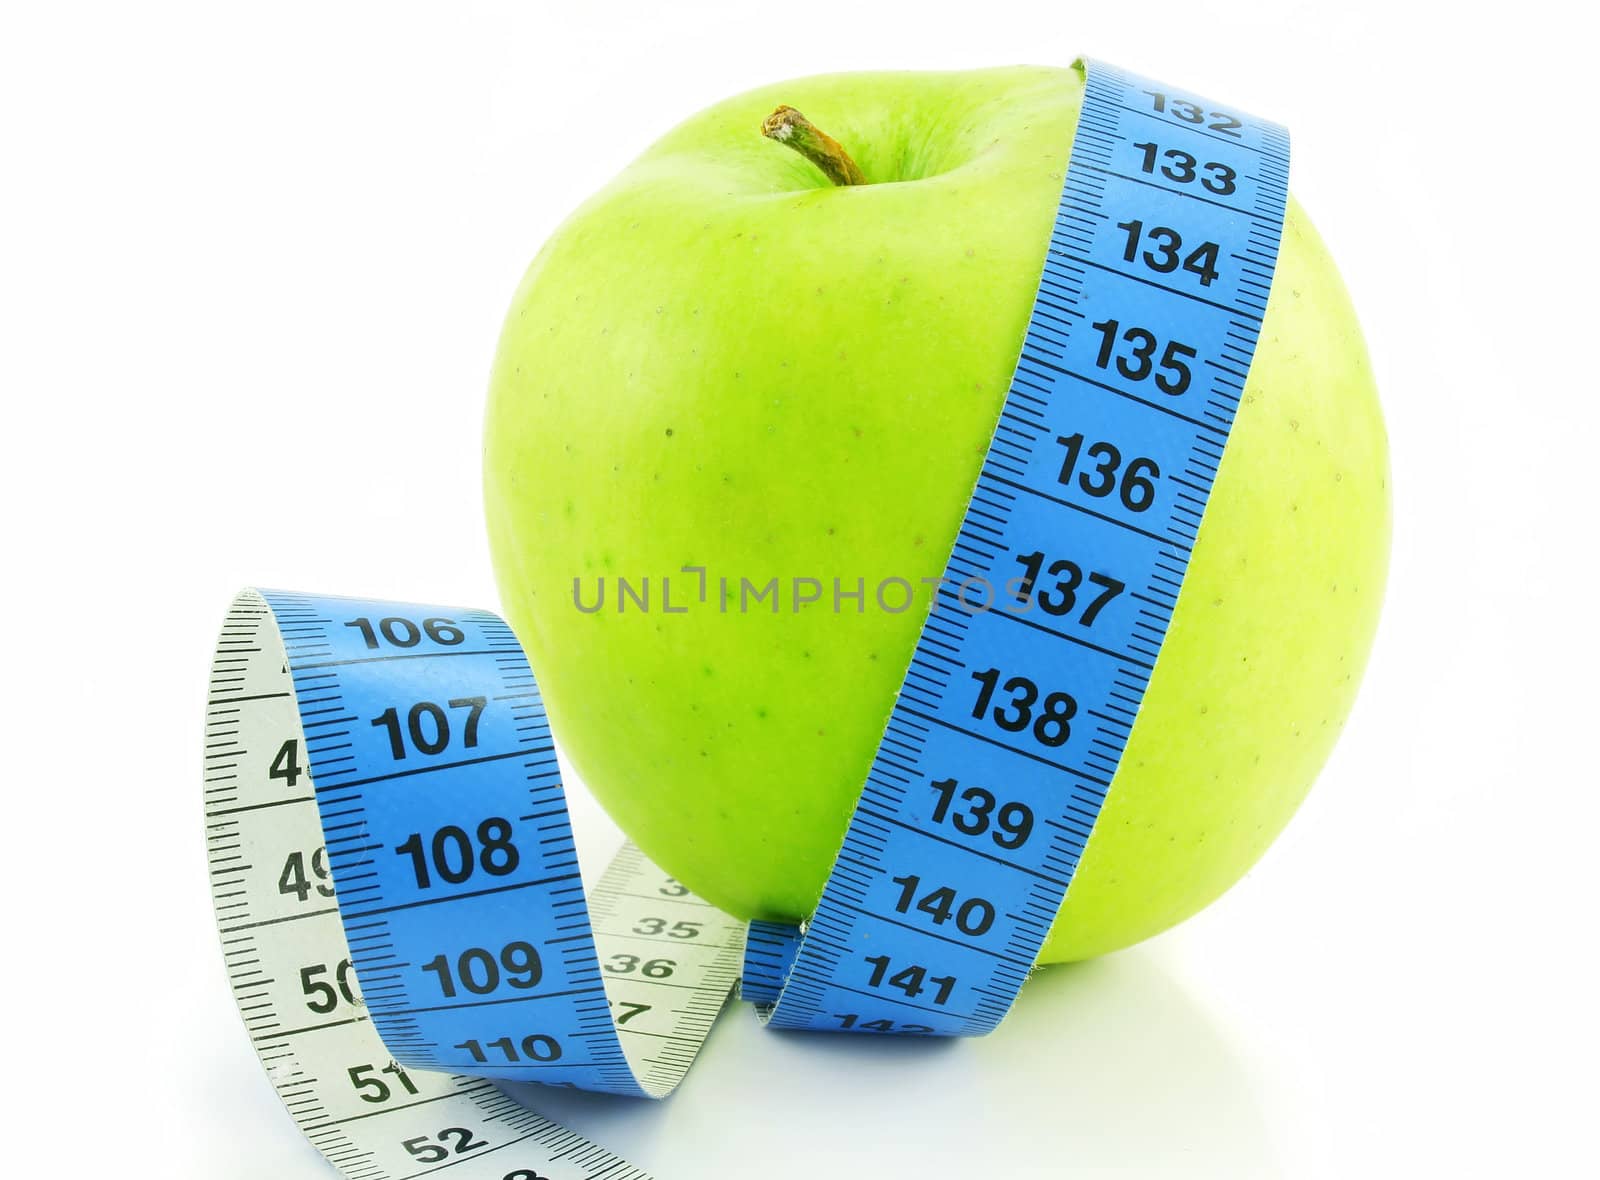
x=1105 y=1067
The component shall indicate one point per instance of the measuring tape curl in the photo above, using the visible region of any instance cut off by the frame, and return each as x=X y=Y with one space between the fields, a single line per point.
x=392 y=863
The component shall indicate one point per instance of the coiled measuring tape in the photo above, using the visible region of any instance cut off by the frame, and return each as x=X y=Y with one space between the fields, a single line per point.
x=393 y=870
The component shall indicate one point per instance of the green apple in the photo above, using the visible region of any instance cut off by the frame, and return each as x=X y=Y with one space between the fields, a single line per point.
x=726 y=361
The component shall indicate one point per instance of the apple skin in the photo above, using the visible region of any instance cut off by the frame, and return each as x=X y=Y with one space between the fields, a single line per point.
x=721 y=361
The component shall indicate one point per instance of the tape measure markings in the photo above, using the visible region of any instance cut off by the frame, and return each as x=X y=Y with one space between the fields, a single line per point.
x=1018 y=506
x=264 y=937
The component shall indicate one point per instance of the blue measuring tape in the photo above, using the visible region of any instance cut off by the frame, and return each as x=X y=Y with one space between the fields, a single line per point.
x=397 y=757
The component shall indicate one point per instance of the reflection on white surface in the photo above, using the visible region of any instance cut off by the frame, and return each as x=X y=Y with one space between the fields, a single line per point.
x=1103 y=1068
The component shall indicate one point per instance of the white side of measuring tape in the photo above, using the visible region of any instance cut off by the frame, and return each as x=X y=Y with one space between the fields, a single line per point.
x=397 y=758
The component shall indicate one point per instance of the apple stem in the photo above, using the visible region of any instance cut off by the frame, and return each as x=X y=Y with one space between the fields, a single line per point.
x=792 y=129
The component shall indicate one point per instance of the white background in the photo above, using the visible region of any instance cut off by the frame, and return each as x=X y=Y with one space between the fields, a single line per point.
x=253 y=271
